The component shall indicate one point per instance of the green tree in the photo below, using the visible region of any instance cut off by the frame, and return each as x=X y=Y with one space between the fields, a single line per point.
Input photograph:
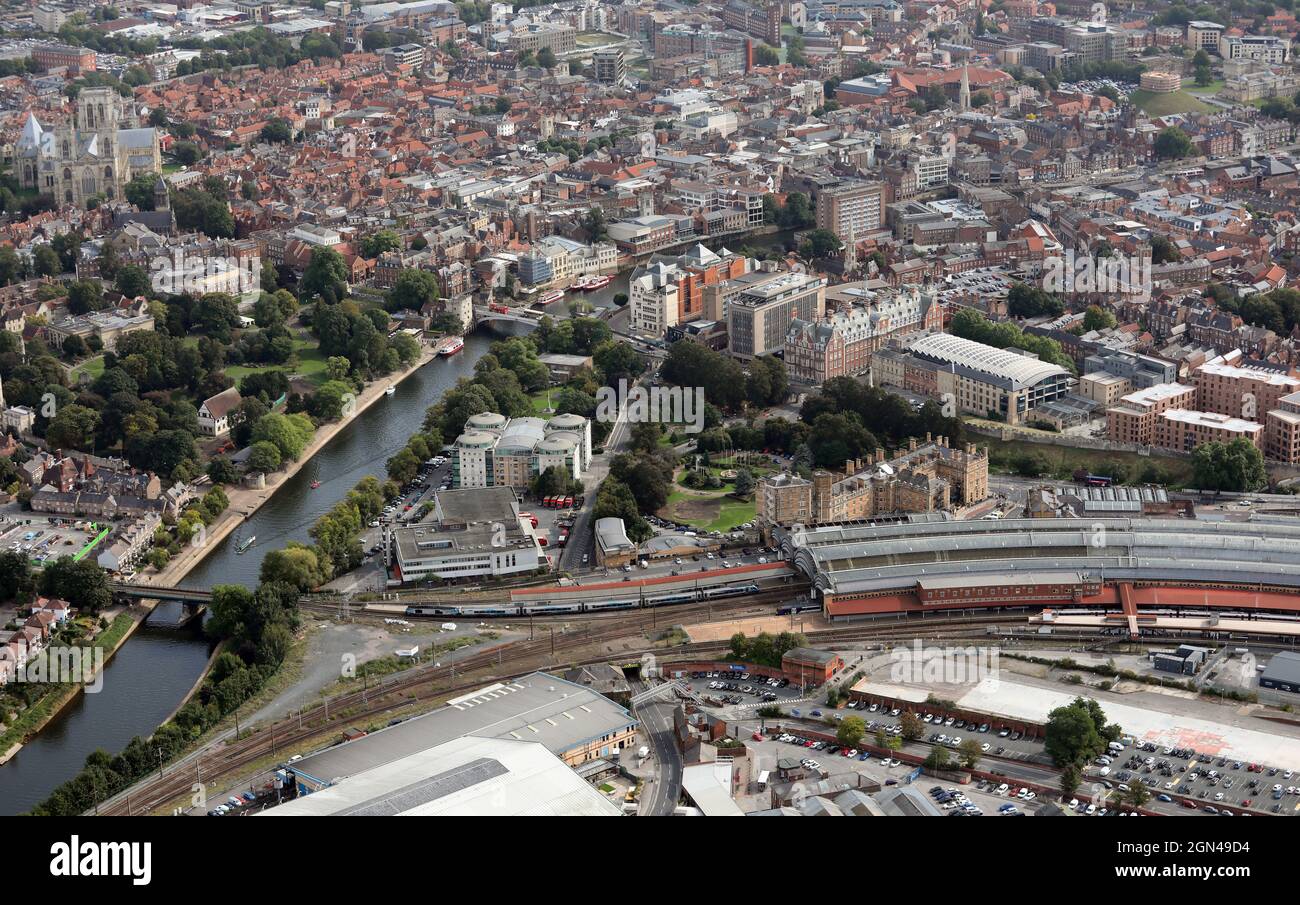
x=937 y=759
x=81 y=583
x=850 y=731
x=326 y=276
x=1097 y=318
x=1138 y=793
x=1070 y=779
x=277 y=131
x=132 y=281
x=413 y=289
x=1173 y=144
x=384 y=240
x=45 y=260
x=1236 y=466
x=1074 y=733
x=263 y=456
x=73 y=427
x=85 y=296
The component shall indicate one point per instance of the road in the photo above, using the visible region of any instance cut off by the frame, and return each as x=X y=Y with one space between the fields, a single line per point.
x=581 y=537
x=659 y=798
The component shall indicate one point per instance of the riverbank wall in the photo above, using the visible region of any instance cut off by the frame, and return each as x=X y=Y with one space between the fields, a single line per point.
x=243 y=503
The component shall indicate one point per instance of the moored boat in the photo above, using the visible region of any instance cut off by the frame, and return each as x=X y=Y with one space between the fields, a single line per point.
x=451 y=347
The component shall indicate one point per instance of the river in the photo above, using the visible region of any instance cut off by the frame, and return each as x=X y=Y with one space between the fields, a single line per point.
x=357 y=450
x=157 y=666
x=150 y=674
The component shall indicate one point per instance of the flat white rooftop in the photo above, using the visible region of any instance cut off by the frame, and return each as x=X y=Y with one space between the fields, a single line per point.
x=465 y=777
x=1172 y=730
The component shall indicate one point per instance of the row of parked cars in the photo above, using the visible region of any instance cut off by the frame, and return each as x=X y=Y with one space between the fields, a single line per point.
x=956 y=803
x=832 y=748
x=1199 y=768
x=232 y=805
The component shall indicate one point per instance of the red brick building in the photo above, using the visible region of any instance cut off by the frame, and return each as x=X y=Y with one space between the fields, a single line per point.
x=806 y=666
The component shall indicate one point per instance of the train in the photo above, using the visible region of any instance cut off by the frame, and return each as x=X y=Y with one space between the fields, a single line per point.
x=790 y=608
x=551 y=608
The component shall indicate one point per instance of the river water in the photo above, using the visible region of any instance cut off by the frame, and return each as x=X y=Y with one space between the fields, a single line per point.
x=155 y=668
x=152 y=672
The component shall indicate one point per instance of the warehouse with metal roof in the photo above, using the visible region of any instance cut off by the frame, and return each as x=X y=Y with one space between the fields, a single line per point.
x=470 y=776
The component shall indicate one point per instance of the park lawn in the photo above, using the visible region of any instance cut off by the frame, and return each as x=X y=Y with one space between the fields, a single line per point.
x=1165 y=104
x=589 y=39
x=1211 y=89
x=709 y=510
x=541 y=408
x=92 y=366
x=311 y=364
x=713 y=512
x=732 y=515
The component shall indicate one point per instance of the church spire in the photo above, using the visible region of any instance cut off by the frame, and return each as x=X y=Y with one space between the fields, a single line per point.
x=964 y=98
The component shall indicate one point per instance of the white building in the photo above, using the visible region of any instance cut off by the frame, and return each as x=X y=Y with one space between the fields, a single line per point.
x=495 y=451
x=654 y=299
x=216 y=412
x=471 y=532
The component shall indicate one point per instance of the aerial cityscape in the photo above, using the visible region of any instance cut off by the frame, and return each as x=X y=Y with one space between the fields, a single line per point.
x=649 y=408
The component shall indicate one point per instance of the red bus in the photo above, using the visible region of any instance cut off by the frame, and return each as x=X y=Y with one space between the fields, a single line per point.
x=528 y=515
x=568 y=502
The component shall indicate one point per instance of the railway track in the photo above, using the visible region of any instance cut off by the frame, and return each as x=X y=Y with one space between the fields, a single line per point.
x=428 y=684
x=415 y=686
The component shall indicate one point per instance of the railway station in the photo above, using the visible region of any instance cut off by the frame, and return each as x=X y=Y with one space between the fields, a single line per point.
x=1125 y=571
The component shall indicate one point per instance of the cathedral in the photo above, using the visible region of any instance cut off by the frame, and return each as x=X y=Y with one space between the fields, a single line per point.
x=92 y=156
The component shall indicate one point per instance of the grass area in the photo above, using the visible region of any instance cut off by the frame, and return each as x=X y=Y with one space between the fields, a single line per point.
x=710 y=510
x=1165 y=104
x=110 y=636
x=311 y=363
x=92 y=366
x=589 y=39
x=1211 y=89
x=540 y=403
x=1063 y=461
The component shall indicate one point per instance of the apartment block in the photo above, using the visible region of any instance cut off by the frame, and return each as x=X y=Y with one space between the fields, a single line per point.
x=1231 y=384
x=852 y=208
x=1134 y=419
x=758 y=317
x=496 y=451
x=1185 y=430
x=1282 y=430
